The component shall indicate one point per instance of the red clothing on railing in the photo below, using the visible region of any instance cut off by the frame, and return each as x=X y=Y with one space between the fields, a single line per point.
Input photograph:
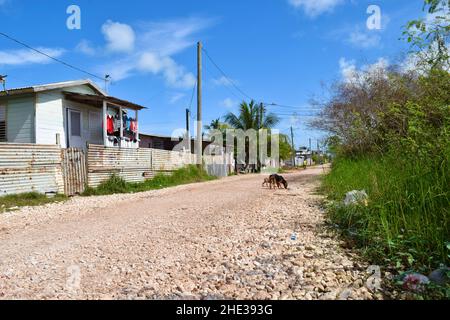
x=110 y=125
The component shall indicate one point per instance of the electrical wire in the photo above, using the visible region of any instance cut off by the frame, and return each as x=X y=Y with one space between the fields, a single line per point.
x=192 y=97
x=52 y=58
x=226 y=77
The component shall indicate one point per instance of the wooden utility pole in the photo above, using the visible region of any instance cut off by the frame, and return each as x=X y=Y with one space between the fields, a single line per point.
x=293 y=147
x=199 y=106
x=310 y=150
x=318 y=152
x=188 y=128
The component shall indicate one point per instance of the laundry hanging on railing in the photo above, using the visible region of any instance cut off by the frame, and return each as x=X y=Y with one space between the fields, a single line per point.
x=110 y=125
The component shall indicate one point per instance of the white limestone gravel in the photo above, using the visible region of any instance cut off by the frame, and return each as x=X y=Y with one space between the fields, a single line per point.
x=226 y=239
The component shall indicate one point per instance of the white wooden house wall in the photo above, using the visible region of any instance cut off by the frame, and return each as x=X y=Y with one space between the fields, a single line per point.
x=51 y=117
x=40 y=117
x=20 y=119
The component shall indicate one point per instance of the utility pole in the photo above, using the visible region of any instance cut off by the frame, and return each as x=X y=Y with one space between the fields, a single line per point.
x=188 y=129
x=310 y=150
x=107 y=79
x=293 y=147
x=318 y=152
x=199 y=106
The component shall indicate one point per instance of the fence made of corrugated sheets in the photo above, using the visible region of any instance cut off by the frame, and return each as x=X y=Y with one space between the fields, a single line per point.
x=219 y=165
x=133 y=165
x=30 y=168
x=74 y=171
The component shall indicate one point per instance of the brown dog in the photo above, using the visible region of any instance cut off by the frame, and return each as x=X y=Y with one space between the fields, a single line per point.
x=266 y=182
x=276 y=181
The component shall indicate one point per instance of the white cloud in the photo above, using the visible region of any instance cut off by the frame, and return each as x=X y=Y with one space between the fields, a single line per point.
x=350 y=72
x=174 y=74
x=314 y=8
x=173 y=36
x=223 y=81
x=176 y=97
x=382 y=63
x=228 y=103
x=86 y=47
x=359 y=36
x=155 y=45
x=24 y=56
x=347 y=68
x=120 y=37
x=365 y=40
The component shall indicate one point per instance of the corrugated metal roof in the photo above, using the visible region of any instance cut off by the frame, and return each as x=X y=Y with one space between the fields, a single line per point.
x=51 y=86
x=92 y=99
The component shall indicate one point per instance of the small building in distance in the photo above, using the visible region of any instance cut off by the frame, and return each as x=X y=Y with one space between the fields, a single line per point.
x=161 y=142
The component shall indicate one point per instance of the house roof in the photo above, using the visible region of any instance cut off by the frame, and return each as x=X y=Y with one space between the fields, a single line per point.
x=52 y=86
x=97 y=100
x=83 y=98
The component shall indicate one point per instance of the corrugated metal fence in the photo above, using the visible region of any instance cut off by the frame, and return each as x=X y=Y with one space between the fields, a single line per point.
x=30 y=168
x=74 y=171
x=133 y=165
x=50 y=169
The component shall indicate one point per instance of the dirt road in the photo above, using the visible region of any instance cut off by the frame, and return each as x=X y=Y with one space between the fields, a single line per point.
x=222 y=239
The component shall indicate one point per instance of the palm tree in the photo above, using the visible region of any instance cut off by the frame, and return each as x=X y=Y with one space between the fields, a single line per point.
x=216 y=125
x=252 y=116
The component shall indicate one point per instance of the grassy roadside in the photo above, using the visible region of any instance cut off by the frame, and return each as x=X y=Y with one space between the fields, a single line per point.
x=32 y=199
x=116 y=185
x=405 y=226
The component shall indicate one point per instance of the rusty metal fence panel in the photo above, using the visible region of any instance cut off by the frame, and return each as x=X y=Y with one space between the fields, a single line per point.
x=74 y=171
x=168 y=161
x=138 y=165
x=30 y=168
x=133 y=165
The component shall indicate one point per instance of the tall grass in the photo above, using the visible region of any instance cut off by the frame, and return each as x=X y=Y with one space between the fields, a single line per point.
x=116 y=185
x=27 y=200
x=406 y=222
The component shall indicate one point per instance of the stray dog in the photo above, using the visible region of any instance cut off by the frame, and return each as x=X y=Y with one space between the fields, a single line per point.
x=266 y=182
x=275 y=181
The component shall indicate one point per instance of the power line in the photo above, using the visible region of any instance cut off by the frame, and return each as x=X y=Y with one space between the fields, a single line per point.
x=288 y=107
x=226 y=77
x=52 y=58
x=240 y=90
x=227 y=87
x=193 y=94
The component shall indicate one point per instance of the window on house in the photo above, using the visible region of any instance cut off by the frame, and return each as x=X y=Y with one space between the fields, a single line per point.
x=95 y=126
x=2 y=123
x=75 y=124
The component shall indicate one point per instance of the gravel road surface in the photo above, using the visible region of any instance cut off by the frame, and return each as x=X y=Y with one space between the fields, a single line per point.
x=225 y=239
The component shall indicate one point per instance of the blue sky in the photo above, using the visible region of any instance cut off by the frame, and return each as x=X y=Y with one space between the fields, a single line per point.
x=275 y=50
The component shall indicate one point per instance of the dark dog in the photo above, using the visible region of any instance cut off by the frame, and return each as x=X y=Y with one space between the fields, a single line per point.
x=277 y=181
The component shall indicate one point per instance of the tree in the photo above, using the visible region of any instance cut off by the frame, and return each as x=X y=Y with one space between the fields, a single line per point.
x=252 y=116
x=217 y=125
x=429 y=37
x=286 y=150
